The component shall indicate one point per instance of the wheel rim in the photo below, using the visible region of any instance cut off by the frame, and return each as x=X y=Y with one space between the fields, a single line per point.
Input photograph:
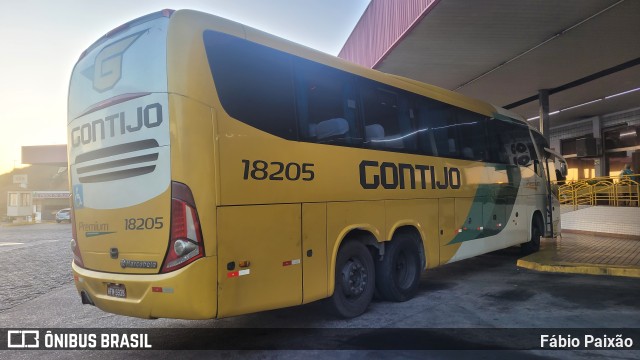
x=354 y=278
x=404 y=271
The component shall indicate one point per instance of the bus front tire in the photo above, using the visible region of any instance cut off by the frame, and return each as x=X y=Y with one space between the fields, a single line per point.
x=398 y=273
x=354 y=280
x=532 y=245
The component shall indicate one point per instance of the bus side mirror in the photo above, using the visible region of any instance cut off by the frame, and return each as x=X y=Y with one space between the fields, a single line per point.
x=563 y=169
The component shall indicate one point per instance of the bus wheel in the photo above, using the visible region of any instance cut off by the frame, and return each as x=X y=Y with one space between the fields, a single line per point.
x=532 y=245
x=354 y=280
x=398 y=273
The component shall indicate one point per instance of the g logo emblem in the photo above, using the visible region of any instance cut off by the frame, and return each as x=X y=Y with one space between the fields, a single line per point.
x=107 y=69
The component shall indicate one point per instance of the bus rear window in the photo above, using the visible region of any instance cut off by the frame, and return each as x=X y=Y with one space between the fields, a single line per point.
x=132 y=61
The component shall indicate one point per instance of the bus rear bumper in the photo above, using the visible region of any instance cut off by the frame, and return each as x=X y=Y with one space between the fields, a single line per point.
x=187 y=293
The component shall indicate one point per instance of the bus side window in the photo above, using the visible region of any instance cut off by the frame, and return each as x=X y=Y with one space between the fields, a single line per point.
x=325 y=104
x=510 y=143
x=424 y=130
x=499 y=144
x=254 y=83
x=437 y=128
x=524 y=153
x=408 y=124
x=471 y=131
x=387 y=117
x=445 y=131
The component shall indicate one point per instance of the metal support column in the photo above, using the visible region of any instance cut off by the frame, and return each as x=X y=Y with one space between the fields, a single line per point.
x=599 y=162
x=543 y=98
x=545 y=129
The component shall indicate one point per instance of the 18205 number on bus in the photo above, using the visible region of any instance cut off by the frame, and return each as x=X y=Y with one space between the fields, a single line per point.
x=143 y=223
x=278 y=171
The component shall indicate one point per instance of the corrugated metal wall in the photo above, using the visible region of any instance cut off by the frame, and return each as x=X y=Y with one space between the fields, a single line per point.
x=380 y=27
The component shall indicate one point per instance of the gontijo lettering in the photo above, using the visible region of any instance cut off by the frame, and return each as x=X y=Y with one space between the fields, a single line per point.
x=115 y=124
x=393 y=176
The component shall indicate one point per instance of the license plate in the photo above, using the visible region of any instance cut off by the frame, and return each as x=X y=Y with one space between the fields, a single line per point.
x=116 y=290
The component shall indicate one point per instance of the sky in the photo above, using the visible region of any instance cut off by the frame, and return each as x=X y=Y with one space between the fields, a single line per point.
x=42 y=39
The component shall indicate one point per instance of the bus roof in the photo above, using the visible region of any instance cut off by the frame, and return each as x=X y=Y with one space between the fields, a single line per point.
x=186 y=18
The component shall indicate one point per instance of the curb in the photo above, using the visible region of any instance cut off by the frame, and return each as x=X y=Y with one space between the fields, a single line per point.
x=590 y=269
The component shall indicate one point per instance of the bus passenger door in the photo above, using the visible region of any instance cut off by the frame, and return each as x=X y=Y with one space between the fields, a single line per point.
x=558 y=180
x=259 y=258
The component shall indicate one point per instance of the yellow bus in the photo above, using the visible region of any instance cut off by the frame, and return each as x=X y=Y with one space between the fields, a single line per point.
x=217 y=170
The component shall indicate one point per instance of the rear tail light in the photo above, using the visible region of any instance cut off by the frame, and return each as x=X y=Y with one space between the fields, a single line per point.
x=75 y=248
x=185 y=244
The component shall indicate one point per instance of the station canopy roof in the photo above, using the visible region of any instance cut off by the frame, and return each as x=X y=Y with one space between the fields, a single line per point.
x=503 y=51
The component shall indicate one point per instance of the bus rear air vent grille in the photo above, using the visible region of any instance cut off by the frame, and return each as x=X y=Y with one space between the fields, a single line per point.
x=117 y=162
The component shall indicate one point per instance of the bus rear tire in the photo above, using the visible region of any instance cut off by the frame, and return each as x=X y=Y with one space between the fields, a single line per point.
x=532 y=245
x=398 y=273
x=354 y=280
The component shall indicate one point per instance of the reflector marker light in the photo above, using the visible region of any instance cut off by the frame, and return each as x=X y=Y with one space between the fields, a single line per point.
x=233 y=274
x=158 y=289
x=291 y=262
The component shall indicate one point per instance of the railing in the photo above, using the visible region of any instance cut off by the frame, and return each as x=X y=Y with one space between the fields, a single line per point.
x=608 y=190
